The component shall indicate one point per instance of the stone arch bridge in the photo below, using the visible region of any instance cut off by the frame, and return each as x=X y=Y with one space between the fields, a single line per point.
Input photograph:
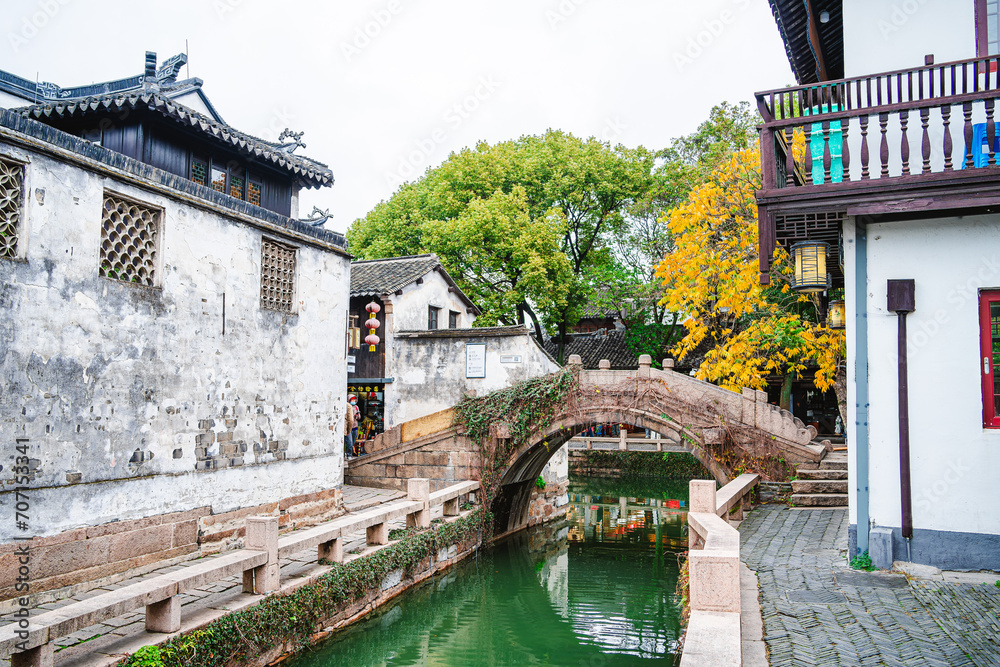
x=690 y=414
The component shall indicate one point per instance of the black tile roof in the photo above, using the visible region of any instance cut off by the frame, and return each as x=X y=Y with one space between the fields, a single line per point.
x=310 y=172
x=268 y=220
x=379 y=277
x=792 y=17
x=470 y=332
x=592 y=347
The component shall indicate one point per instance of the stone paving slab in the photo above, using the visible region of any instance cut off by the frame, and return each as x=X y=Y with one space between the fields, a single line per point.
x=118 y=636
x=818 y=611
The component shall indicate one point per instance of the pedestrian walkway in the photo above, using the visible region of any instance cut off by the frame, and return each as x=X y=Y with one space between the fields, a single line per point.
x=107 y=642
x=818 y=611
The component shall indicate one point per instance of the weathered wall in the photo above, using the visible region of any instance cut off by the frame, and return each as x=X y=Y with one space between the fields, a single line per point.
x=138 y=401
x=431 y=369
x=954 y=459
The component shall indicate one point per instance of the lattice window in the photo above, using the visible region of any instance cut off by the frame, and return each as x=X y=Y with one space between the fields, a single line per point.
x=277 y=276
x=236 y=186
x=11 y=192
x=253 y=193
x=129 y=232
x=199 y=172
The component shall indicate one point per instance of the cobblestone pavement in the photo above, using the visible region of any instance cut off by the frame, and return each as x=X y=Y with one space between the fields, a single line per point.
x=818 y=611
x=124 y=634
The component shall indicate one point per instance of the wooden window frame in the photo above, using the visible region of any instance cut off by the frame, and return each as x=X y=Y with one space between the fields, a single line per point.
x=986 y=357
x=432 y=317
x=452 y=319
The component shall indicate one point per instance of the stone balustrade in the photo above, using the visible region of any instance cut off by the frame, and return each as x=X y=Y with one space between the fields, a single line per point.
x=29 y=642
x=713 y=634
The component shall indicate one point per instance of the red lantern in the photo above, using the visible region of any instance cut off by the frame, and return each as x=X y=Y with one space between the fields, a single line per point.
x=372 y=324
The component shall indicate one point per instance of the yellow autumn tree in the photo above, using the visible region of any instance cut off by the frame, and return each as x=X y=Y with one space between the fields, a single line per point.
x=747 y=330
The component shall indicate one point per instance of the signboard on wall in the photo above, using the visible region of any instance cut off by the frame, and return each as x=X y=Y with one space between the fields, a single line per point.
x=475 y=360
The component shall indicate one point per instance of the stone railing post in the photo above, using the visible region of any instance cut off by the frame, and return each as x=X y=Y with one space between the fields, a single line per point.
x=419 y=488
x=645 y=361
x=668 y=364
x=575 y=360
x=262 y=535
x=701 y=498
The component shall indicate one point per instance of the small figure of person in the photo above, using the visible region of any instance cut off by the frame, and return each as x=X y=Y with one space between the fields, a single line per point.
x=350 y=428
x=356 y=414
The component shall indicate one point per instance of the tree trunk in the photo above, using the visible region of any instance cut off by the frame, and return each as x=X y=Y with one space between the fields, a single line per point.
x=840 y=389
x=523 y=308
x=786 y=393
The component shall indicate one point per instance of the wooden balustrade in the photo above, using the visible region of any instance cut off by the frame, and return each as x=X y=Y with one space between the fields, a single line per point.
x=826 y=113
x=29 y=643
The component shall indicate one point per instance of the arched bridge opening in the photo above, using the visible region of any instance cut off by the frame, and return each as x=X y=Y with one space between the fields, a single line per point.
x=510 y=507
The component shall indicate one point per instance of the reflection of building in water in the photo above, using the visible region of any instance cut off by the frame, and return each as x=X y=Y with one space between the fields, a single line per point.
x=620 y=520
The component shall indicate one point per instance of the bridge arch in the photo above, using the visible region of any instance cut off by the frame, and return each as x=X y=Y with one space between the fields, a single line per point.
x=687 y=411
x=696 y=414
x=526 y=463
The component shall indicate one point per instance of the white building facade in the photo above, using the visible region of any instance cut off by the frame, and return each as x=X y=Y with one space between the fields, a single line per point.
x=920 y=210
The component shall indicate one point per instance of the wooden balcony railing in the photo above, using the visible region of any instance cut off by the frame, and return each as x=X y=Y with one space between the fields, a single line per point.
x=879 y=144
x=830 y=114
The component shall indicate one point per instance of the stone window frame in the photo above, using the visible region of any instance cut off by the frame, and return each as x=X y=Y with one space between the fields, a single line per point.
x=21 y=244
x=156 y=264
x=268 y=302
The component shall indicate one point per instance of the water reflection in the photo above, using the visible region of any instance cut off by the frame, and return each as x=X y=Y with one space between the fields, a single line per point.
x=597 y=589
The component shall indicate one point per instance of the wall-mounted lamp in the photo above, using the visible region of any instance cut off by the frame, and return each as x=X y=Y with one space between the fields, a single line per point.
x=836 y=315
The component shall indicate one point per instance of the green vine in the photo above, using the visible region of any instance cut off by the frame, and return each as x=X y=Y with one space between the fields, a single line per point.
x=524 y=408
x=241 y=637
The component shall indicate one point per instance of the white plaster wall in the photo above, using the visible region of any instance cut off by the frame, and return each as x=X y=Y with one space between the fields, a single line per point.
x=95 y=369
x=431 y=371
x=886 y=35
x=410 y=308
x=954 y=460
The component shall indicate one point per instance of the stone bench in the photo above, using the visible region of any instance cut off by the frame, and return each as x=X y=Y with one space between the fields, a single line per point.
x=158 y=595
x=30 y=645
x=450 y=496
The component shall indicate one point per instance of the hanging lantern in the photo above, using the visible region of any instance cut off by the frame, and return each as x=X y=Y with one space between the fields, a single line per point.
x=372 y=324
x=810 y=267
x=836 y=317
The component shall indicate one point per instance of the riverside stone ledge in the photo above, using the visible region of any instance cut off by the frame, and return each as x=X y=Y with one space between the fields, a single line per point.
x=712 y=640
x=258 y=564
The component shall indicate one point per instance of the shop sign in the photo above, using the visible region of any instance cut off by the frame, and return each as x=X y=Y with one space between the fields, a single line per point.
x=510 y=358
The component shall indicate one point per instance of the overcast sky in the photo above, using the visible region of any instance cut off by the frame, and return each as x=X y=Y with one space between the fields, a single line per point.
x=386 y=88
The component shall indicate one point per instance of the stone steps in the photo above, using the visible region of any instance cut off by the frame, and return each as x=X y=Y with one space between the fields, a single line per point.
x=819 y=499
x=807 y=486
x=803 y=473
x=824 y=485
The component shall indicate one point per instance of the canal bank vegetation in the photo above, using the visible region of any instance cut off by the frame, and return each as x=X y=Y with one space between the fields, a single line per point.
x=285 y=622
x=637 y=464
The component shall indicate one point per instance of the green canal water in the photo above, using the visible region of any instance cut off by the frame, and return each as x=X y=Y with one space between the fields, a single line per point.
x=596 y=590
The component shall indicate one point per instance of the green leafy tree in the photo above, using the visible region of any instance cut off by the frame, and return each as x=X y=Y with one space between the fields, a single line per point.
x=519 y=224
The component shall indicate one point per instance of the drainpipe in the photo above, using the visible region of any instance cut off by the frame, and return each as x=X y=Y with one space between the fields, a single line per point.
x=861 y=380
x=900 y=300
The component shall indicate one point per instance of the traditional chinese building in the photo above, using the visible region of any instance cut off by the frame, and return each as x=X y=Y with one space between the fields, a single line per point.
x=166 y=323
x=894 y=196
